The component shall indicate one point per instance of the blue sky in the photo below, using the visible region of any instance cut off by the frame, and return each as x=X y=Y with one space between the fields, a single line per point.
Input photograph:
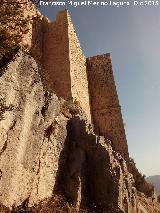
x=132 y=36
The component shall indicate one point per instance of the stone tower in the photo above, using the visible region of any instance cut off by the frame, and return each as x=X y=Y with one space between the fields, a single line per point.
x=105 y=107
x=64 y=62
x=89 y=81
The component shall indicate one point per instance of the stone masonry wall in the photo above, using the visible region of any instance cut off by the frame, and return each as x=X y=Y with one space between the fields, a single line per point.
x=79 y=81
x=105 y=108
x=64 y=68
x=64 y=62
x=56 y=56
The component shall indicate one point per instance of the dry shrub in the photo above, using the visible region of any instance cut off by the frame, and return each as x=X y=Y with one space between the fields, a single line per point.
x=13 y=25
x=57 y=204
x=69 y=108
x=143 y=186
x=140 y=182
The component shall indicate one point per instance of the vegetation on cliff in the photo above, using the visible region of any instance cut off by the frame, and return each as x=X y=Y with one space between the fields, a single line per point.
x=13 y=25
x=140 y=180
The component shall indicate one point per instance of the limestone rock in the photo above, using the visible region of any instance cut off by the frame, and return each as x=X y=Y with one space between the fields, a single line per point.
x=95 y=176
x=61 y=128
x=42 y=152
x=32 y=134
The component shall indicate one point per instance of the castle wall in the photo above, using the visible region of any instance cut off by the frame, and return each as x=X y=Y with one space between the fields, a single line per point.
x=64 y=62
x=105 y=108
x=79 y=81
x=55 y=60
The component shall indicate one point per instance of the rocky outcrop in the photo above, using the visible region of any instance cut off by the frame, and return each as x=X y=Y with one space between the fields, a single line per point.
x=94 y=176
x=32 y=132
x=44 y=153
x=71 y=150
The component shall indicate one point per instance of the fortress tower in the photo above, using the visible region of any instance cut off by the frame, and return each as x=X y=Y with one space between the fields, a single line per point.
x=89 y=81
x=64 y=61
x=105 y=107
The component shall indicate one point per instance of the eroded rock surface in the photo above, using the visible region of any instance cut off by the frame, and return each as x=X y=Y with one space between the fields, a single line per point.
x=32 y=135
x=100 y=174
x=73 y=148
x=43 y=152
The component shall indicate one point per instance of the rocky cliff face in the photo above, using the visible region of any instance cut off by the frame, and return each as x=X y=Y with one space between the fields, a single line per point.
x=33 y=133
x=48 y=147
x=44 y=152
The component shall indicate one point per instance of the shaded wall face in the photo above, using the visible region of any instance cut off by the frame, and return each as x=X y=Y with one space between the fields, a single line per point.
x=105 y=108
x=56 y=57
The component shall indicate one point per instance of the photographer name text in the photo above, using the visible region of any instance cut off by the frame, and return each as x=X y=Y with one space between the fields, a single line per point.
x=100 y=3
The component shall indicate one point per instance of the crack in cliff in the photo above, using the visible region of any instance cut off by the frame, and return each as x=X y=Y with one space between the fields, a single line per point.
x=107 y=108
x=1 y=173
x=6 y=141
x=47 y=100
x=4 y=147
x=37 y=174
x=13 y=125
x=39 y=163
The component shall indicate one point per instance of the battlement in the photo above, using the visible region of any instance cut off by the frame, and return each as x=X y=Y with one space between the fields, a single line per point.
x=99 y=57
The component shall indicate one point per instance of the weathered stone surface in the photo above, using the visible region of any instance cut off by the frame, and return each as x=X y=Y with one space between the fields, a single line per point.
x=32 y=135
x=105 y=108
x=78 y=72
x=42 y=152
x=93 y=175
x=75 y=146
x=146 y=205
x=64 y=62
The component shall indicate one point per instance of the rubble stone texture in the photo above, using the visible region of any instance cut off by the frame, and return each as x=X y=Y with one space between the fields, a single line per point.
x=45 y=150
x=64 y=61
x=105 y=107
x=96 y=93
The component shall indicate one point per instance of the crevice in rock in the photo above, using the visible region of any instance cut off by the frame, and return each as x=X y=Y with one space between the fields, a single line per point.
x=37 y=174
x=84 y=170
x=23 y=208
x=13 y=125
x=6 y=141
x=4 y=147
x=48 y=131
x=47 y=100
x=1 y=173
x=39 y=166
x=6 y=60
